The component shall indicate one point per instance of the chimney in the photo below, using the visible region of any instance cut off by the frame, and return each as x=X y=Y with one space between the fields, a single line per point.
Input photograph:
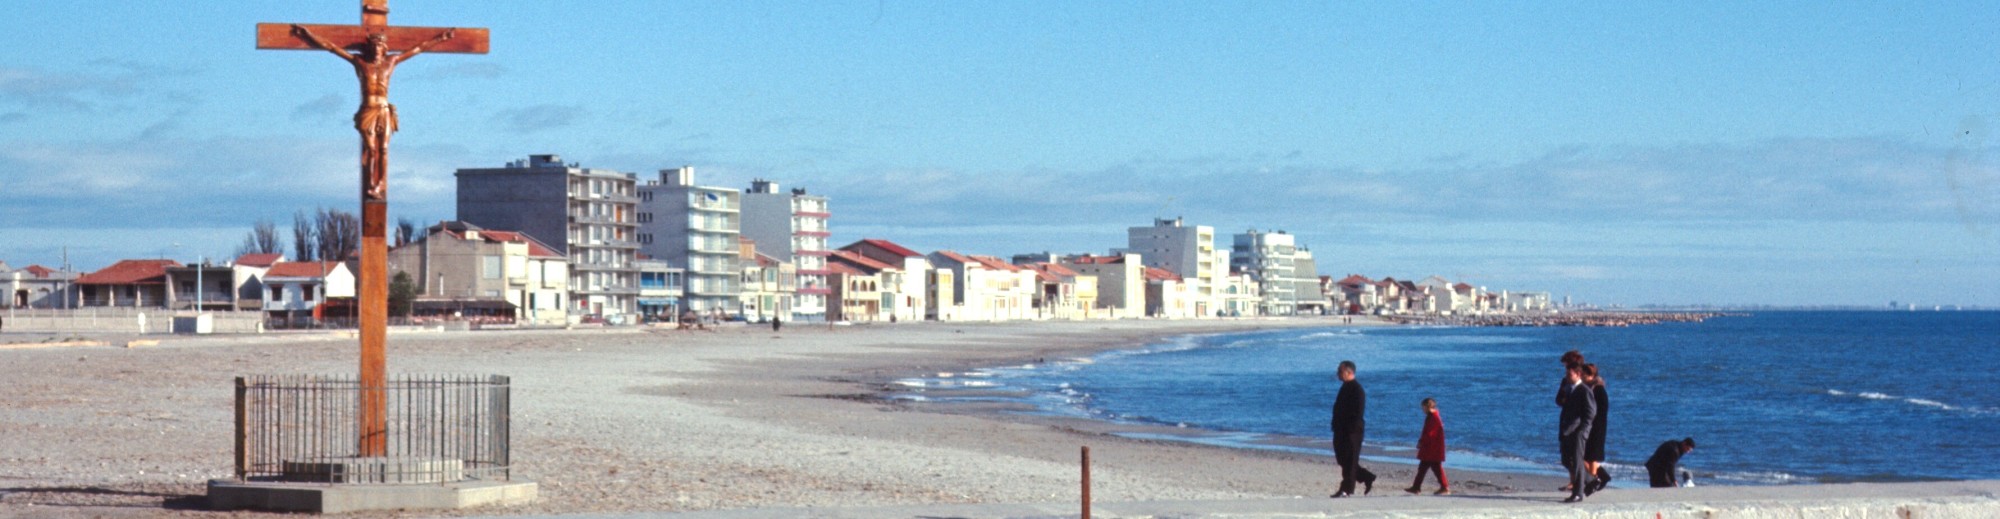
x=682 y=176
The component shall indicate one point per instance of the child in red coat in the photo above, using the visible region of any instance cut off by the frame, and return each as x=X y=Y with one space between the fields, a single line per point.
x=1430 y=451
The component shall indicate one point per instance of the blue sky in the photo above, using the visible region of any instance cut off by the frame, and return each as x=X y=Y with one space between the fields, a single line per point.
x=1775 y=153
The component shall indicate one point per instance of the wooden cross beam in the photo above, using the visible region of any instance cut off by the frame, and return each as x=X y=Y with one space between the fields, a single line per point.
x=374 y=60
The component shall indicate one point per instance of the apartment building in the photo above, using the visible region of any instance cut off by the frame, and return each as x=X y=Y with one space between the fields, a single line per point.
x=1270 y=258
x=586 y=215
x=792 y=227
x=1188 y=251
x=466 y=270
x=696 y=228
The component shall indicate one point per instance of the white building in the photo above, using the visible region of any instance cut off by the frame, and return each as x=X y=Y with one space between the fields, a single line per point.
x=792 y=227
x=695 y=228
x=908 y=294
x=1270 y=258
x=584 y=214
x=1188 y=252
x=295 y=290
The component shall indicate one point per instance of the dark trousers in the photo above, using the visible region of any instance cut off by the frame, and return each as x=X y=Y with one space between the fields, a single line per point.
x=1435 y=467
x=1347 y=452
x=1663 y=477
x=1580 y=477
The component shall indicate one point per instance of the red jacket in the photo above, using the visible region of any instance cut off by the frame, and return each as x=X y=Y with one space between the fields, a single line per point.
x=1430 y=446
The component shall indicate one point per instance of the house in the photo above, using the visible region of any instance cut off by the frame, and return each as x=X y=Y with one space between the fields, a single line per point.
x=987 y=288
x=1355 y=294
x=1238 y=295
x=1168 y=296
x=36 y=286
x=769 y=285
x=1121 y=282
x=299 y=292
x=127 y=283
x=247 y=278
x=907 y=295
x=463 y=271
x=858 y=287
x=1064 y=293
x=202 y=287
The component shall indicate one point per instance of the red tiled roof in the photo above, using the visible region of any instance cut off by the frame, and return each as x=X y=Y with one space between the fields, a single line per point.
x=996 y=263
x=961 y=258
x=886 y=246
x=843 y=268
x=259 y=260
x=1153 y=273
x=1096 y=260
x=130 y=272
x=766 y=260
x=39 y=271
x=856 y=259
x=1461 y=287
x=301 y=269
x=1054 y=268
x=1356 y=279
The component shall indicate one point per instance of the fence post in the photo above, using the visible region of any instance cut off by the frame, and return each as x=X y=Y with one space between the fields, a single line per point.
x=242 y=431
x=1086 y=482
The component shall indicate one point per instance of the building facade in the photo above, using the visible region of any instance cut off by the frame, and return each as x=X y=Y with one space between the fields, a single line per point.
x=586 y=215
x=696 y=228
x=907 y=295
x=463 y=270
x=1187 y=251
x=1270 y=258
x=792 y=227
x=36 y=286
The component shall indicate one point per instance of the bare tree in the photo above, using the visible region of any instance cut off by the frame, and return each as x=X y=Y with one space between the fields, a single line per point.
x=305 y=238
x=338 y=234
x=406 y=230
x=262 y=239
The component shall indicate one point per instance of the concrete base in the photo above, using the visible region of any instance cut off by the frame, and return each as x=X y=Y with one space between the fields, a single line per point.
x=321 y=498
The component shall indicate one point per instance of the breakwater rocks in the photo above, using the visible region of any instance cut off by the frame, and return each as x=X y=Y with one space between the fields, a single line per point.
x=1551 y=319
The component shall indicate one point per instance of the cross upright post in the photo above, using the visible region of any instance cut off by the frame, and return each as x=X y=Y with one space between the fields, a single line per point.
x=374 y=48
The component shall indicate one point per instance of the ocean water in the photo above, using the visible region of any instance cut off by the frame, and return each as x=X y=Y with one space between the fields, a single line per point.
x=1775 y=397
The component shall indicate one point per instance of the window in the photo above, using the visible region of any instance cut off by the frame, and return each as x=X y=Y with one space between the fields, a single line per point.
x=277 y=292
x=489 y=267
x=305 y=292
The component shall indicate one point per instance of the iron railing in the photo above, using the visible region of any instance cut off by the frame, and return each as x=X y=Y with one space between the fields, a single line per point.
x=448 y=427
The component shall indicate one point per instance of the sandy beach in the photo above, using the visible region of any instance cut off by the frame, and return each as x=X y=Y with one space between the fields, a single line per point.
x=628 y=420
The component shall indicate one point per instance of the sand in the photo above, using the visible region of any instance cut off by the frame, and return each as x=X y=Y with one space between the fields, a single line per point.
x=617 y=421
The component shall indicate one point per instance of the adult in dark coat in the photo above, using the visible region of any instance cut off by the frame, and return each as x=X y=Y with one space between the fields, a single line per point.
x=1660 y=468
x=1593 y=451
x=1572 y=364
x=1348 y=424
x=1579 y=410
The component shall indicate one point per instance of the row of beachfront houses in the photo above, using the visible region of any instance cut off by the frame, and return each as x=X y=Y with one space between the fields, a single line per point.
x=477 y=274
x=541 y=241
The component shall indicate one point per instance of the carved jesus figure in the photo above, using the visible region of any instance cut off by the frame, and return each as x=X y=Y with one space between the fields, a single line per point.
x=377 y=118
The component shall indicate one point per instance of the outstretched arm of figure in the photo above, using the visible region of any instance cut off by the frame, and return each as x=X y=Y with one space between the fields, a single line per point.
x=426 y=45
x=308 y=35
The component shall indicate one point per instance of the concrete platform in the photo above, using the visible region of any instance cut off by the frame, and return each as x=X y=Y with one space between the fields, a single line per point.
x=323 y=498
x=1940 y=500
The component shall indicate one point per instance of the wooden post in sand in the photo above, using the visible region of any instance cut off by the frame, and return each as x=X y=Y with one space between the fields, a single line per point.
x=1086 y=482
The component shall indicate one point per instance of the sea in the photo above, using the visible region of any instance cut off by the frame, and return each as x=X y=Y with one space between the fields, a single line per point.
x=1770 y=397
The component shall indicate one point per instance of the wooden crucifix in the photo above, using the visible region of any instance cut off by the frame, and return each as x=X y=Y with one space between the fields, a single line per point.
x=374 y=48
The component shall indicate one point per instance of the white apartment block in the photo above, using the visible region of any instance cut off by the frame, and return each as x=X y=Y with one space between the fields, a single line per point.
x=695 y=228
x=1270 y=258
x=586 y=214
x=1189 y=252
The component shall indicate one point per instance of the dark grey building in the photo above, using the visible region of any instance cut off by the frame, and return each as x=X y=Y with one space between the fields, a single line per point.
x=586 y=214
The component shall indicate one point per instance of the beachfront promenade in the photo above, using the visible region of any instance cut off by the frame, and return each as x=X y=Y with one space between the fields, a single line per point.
x=1957 y=499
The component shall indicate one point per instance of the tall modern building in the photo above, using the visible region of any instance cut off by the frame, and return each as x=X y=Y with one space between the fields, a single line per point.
x=695 y=228
x=1186 y=251
x=585 y=214
x=792 y=227
x=1270 y=258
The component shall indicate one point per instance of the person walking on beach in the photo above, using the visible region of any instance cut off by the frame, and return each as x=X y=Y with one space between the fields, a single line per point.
x=1430 y=451
x=1348 y=426
x=1579 y=411
x=1572 y=362
x=1593 y=450
x=1661 y=467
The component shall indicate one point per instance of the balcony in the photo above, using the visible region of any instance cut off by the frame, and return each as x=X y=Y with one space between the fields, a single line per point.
x=812 y=214
x=597 y=266
x=615 y=244
x=713 y=290
x=612 y=289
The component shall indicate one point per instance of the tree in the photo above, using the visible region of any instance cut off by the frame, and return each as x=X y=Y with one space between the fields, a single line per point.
x=262 y=239
x=337 y=234
x=305 y=238
x=402 y=294
x=406 y=230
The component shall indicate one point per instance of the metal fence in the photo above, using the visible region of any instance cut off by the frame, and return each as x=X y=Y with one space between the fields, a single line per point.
x=441 y=428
